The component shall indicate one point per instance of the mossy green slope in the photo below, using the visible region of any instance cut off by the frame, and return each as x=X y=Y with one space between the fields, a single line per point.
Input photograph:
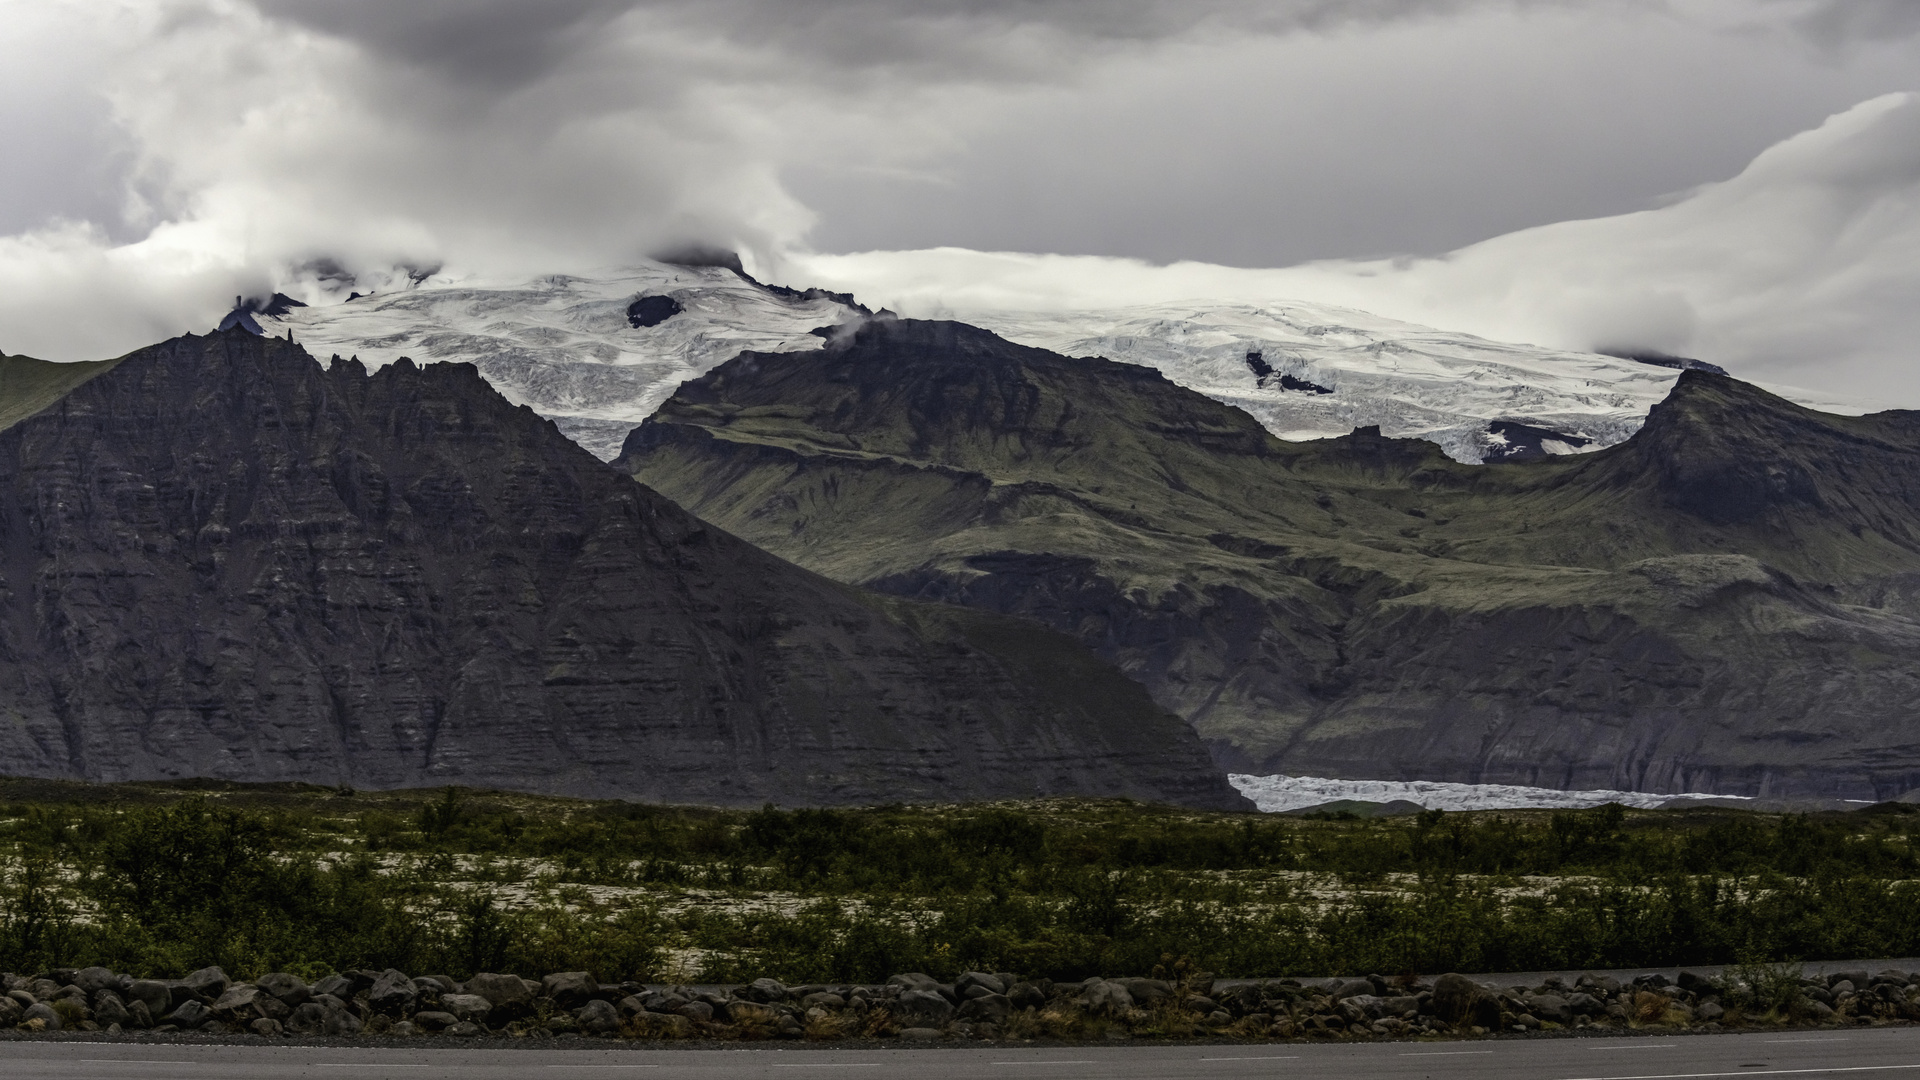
x=1726 y=601
x=28 y=386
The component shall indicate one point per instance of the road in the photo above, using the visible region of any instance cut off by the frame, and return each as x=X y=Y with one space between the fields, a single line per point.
x=1865 y=1053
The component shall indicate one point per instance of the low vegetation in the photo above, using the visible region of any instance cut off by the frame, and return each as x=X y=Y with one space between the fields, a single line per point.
x=161 y=880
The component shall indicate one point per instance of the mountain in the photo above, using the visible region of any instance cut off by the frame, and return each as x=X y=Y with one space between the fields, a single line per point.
x=597 y=354
x=1728 y=601
x=223 y=559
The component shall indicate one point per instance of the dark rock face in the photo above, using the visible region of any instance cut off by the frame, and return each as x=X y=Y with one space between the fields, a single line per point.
x=221 y=559
x=1729 y=601
x=652 y=311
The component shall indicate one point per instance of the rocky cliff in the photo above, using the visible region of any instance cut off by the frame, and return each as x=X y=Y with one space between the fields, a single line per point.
x=223 y=559
x=1725 y=602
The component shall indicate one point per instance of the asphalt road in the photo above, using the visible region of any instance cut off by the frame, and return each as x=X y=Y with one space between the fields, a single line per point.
x=1866 y=1053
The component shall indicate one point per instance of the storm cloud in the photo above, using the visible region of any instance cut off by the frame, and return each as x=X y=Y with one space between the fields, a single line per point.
x=175 y=153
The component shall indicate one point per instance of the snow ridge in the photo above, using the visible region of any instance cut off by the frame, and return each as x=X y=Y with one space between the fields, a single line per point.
x=1276 y=794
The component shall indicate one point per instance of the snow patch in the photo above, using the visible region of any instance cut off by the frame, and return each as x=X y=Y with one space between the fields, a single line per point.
x=1274 y=794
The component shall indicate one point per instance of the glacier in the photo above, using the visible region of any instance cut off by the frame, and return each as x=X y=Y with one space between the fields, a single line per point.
x=563 y=345
x=1277 y=794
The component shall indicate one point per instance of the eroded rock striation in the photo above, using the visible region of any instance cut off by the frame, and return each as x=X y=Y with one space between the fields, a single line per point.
x=222 y=559
x=1729 y=601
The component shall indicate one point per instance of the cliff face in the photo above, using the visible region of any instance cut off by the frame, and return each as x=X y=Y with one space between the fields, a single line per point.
x=221 y=559
x=1725 y=602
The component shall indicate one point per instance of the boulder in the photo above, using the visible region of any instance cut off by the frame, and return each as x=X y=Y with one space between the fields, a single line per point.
x=340 y=986
x=1857 y=978
x=142 y=1016
x=465 y=1029
x=987 y=1008
x=697 y=1011
x=309 y=1018
x=10 y=1011
x=1104 y=998
x=914 y=980
x=95 y=979
x=110 y=1008
x=1027 y=995
x=598 y=1017
x=1551 y=1007
x=569 y=989
x=824 y=999
x=291 y=990
x=42 y=1012
x=468 y=1007
x=968 y=980
x=1459 y=1000
x=207 y=983
x=156 y=995
x=920 y=1034
x=1146 y=992
x=764 y=991
x=245 y=1002
x=190 y=1014
x=508 y=995
x=434 y=1020
x=392 y=993
x=923 y=1006
x=1710 y=1012
x=266 y=1026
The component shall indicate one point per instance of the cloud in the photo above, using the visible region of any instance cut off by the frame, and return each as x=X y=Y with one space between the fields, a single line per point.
x=1802 y=269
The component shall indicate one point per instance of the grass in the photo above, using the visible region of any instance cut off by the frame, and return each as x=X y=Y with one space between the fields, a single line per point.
x=162 y=879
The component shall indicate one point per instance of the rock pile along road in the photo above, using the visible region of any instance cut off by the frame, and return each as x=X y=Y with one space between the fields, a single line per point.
x=1866 y=1053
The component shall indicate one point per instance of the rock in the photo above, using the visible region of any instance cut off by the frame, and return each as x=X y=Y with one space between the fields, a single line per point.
x=988 y=1008
x=1527 y=1021
x=508 y=994
x=191 y=1014
x=109 y=1008
x=1710 y=1012
x=1104 y=998
x=392 y=993
x=1459 y=1000
x=1146 y=992
x=1585 y=1004
x=208 y=983
x=569 y=989
x=1026 y=995
x=1855 y=979
x=598 y=1017
x=10 y=1011
x=442 y=984
x=971 y=979
x=340 y=986
x=157 y=996
x=1218 y=1018
x=928 y=1006
x=434 y=1020
x=1346 y=988
x=243 y=1002
x=1820 y=1010
x=825 y=1000
x=920 y=1034
x=43 y=1013
x=1551 y=1007
x=764 y=991
x=307 y=1019
x=340 y=1023
x=289 y=989
x=95 y=979
x=465 y=1029
x=400 y=1030
x=914 y=980
x=142 y=1016
x=470 y=1007
x=1842 y=986
x=266 y=1026
x=697 y=1011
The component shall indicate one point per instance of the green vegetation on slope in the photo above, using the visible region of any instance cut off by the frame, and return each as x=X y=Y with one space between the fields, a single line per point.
x=27 y=385
x=163 y=879
x=1726 y=602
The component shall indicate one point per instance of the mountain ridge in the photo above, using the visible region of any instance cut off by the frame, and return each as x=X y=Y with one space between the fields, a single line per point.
x=1692 y=609
x=224 y=559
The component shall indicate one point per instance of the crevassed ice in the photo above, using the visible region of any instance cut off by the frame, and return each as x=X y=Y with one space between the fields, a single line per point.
x=1274 y=794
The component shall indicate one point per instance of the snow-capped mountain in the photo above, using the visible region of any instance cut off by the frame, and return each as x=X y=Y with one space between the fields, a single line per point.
x=598 y=355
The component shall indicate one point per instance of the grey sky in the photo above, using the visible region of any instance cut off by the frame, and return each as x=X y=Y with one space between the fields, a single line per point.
x=166 y=153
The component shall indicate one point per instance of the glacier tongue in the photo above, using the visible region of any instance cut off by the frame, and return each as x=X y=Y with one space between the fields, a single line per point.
x=1278 y=362
x=1276 y=794
x=566 y=347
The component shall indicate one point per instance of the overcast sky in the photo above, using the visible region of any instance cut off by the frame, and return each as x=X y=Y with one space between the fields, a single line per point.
x=162 y=155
